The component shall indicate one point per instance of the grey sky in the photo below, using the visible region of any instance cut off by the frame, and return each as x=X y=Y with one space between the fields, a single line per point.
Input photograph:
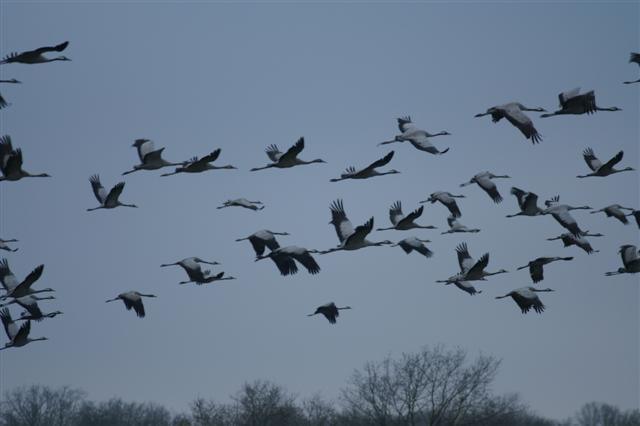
x=195 y=77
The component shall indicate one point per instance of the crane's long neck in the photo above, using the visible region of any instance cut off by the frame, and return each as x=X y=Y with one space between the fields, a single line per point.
x=607 y=108
x=255 y=169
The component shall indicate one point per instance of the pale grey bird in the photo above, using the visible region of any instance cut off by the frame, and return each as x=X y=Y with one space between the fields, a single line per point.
x=616 y=210
x=579 y=241
x=536 y=266
x=133 y=299
x=456 y=227
x=243 y=202
x=599 y=169
x=150 y=158
x=11 y=162
x=36 y=56
x=630 y=261
x=560 y=213
x=465 y=286
x=5 y=247
x=470 y=269
x=483 y=179
x=575 y=103
x=526 y=298
x=3 y=102
x=284 y=258
x=401 y=222
x=634 y=58
x=107 y=200
x=330 y=311
x=287 y=159
x=199 y=165
x=528 y=203
x=13 y=287
x=414 y=244
x=369 y=171
x=513 y=112
x=447 y=199
x=191 y=266
x=17 y=336
x=417 y=137
x=263 y=238
x=33 y=312
x=350 y=238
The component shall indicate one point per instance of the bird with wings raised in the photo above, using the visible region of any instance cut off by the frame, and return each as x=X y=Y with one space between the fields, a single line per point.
x=369 y=171
x=417 y=137
x=107 y=200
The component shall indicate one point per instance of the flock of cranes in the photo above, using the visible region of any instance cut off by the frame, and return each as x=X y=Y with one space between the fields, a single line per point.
x=287 y=258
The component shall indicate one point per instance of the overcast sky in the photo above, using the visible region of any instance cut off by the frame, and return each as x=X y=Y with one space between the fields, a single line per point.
x=195 y=77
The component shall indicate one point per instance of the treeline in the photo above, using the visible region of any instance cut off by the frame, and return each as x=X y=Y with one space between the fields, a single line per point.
x=433 y=387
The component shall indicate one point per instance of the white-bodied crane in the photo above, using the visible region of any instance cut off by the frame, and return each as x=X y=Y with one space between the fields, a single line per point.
x=560 y=213
x=447 y=199
x=350 y=238
x=369 y=171
x=263 y=238
x=199 y=165
x=417 y=137
x=17 y=336
x=483 y=179
x=630 y=261
x=5 y=247
x=243 y=202
x=416 y=244
x=284 y=160
x=470 y=269
x=13 y=287
x=132 y=299
x=107 y=200
x=150 y=158
x=536 y=266
x=527 y=202
x=457 y=227
x=599 y=169
x=191 y=266
x=616 y=211
x=401 y=222
x=11 y=162
x=575 y=103
x=285 y=257
x=513 y=112
x=526 y=298
x=579 y=241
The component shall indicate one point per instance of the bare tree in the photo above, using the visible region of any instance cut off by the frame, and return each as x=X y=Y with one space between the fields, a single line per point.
x=434 y=387
x=601 y=414
x=40 y=406
x=262 y=403
x=318 y=412
x=118 y=412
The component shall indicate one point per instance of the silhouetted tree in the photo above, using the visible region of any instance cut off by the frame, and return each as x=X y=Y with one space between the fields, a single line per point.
x=40 y=406
x=118 y=412
x=434 y=387
x=601 y=414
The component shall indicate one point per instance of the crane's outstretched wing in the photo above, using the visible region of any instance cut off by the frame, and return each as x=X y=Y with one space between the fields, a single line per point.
x=339 y=219
x=114 y=193
x=98 y=189
x=379 y=163
x=293 y=152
